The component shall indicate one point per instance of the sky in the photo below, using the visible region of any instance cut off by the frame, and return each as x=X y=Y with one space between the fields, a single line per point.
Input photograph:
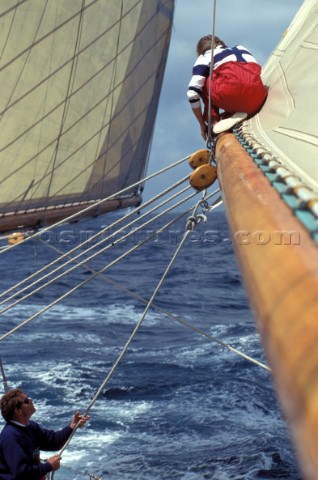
x=256 y=24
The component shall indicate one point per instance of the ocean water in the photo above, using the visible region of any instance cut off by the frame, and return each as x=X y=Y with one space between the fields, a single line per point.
x=178 y=406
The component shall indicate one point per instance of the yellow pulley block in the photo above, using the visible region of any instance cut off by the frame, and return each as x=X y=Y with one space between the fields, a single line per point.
x=201 y=157
x=15 y=237
x=203 y=177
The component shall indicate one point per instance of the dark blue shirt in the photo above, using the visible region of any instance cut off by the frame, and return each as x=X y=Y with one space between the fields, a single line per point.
x=20 y=450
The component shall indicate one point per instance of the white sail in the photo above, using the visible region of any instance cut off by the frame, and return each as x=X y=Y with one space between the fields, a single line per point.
x=287 y=124
x=80 y=83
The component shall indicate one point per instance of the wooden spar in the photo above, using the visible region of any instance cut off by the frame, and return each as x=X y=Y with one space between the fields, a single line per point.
x=279 y=264
x=48 y=216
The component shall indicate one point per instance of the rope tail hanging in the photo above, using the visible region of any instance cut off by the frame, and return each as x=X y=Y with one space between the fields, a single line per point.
x=4 y=379
x=209 y=137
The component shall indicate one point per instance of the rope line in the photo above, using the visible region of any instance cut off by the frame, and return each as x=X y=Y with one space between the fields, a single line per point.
x=91 y=257
x=90 y=240
x=132 y=336
x=72 y=290
x=81 y=264
x=193 y=221
x=209 y=137
x=156 y=307
x=96 y=204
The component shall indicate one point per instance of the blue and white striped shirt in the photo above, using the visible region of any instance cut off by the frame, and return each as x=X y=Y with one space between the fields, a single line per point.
x=201 y=68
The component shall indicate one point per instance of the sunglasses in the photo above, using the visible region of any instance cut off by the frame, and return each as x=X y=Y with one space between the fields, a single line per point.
x=26 y=401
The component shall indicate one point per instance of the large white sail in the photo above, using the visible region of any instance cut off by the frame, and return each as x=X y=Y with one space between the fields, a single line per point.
x=287 y=123
x=80 y=83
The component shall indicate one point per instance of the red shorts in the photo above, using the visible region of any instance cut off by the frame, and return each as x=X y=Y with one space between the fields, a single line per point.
x=237 y=87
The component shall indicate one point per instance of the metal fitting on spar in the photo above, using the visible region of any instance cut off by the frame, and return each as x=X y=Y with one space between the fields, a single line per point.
x=262 y=237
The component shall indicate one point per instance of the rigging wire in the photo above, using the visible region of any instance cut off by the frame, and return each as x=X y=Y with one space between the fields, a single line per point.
x=150 y=303
x=96 y=204
x=192 y=222
x=217 y=202
x=209 y=137
x=74 y=259
x=92 y=239
x=121 y=257
x=138 y=325
x=91 y=257
x=156 y=307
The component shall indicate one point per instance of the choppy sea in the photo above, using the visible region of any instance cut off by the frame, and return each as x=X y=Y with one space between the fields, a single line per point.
x=179 y=406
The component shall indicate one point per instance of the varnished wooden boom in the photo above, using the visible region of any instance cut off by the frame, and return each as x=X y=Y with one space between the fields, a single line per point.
x=279 y=264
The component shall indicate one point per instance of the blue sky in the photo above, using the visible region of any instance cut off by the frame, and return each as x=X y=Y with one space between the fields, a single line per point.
x=256 y=24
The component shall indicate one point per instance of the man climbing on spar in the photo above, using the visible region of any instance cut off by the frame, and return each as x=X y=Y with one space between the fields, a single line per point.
x=236 y=87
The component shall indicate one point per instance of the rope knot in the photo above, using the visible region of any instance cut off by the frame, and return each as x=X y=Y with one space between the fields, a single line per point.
x=192 y=223
x=202 y=217
x=205 y=205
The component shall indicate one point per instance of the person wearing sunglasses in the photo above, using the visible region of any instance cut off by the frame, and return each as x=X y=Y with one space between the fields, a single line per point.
x=22 y=439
